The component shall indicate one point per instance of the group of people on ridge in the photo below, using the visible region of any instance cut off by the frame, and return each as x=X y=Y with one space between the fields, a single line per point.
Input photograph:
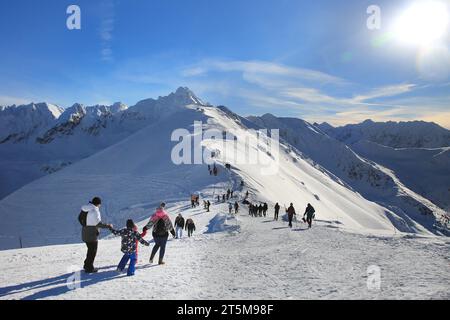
x=159 y=223
x=161 y=226
x=260 y=210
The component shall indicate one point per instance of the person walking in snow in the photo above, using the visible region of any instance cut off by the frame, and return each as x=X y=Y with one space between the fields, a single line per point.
x=310 y=215
x=265 y=208
x=190 y=227
x=197 y=200
x=192 y=201
x=179 y=226
x=223 y=198
x=208 y=204
x=260 y=210
x=161 y=226
x=91 y=221
x=231 y=193
x=230 y=208
x=228 y=194
x=236 y=207
x=129 y=246
x=218 y=198
x=291 y=213
x=277 y=211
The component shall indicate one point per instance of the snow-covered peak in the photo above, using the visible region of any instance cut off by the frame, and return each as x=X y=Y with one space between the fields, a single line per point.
x=19 y=122
x=163 y=106
x=75 y=112
x=188 y=95
x=410 y=134
x=118 y=107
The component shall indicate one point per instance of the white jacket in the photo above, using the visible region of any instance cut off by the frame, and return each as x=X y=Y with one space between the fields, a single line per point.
x=93 y=217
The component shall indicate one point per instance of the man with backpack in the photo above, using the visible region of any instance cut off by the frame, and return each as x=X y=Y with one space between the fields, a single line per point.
x=90 y=220
x=161 y=226
x=309 y=213
x=179 y=226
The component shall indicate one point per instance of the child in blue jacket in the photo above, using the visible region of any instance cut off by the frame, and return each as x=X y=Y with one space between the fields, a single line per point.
x=129 y=246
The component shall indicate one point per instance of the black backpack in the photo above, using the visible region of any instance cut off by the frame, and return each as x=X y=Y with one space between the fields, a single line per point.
x=160 y=228
x=82 y=218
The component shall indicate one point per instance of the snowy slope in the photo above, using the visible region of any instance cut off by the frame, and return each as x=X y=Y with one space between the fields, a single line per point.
x=137 y=170
x=41 y=146
x=424 y=170
x=135 y=174
x=416 y=152
x=371 y=180
x=229 y=257
x=250 y=258
x=412 y=134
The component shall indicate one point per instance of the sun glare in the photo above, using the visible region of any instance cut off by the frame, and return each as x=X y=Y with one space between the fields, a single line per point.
x=423 y=23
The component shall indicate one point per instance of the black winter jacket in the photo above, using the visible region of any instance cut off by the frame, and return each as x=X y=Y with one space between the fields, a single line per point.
x=129 y=238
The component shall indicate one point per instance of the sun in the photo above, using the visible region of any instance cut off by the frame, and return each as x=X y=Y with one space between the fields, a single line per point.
x=423 y=23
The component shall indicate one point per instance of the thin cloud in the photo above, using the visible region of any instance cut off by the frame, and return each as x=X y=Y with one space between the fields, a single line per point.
x=106 y=30
x=255 y=71
x=386 y=91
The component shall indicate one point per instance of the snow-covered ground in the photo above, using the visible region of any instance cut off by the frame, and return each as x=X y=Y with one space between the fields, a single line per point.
x=228 y=257
x=240 y=258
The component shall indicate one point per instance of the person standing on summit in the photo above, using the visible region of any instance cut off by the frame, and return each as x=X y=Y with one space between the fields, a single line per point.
x=161 y=224
x=90 y=220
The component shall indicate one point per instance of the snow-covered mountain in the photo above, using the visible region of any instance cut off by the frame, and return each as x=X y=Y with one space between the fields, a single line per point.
x=411 y=134
x=371 y=180
x=417 y=152
x=136 y=173
x=19 y=123
x=42 y=138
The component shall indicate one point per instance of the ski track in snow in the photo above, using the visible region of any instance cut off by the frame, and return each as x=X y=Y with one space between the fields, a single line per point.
x=263 y=259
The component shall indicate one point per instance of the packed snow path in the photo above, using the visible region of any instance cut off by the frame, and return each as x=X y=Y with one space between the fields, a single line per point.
x=250 y=258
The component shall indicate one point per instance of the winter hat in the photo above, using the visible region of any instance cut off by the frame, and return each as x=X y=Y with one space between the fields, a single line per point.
x=96 y=201
x=162 y=205
x=130 y=224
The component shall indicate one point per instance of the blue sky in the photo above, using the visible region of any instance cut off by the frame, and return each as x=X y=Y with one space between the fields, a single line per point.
x=311 y=59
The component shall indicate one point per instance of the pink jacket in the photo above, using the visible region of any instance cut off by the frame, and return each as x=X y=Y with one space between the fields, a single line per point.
x=160 y=214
